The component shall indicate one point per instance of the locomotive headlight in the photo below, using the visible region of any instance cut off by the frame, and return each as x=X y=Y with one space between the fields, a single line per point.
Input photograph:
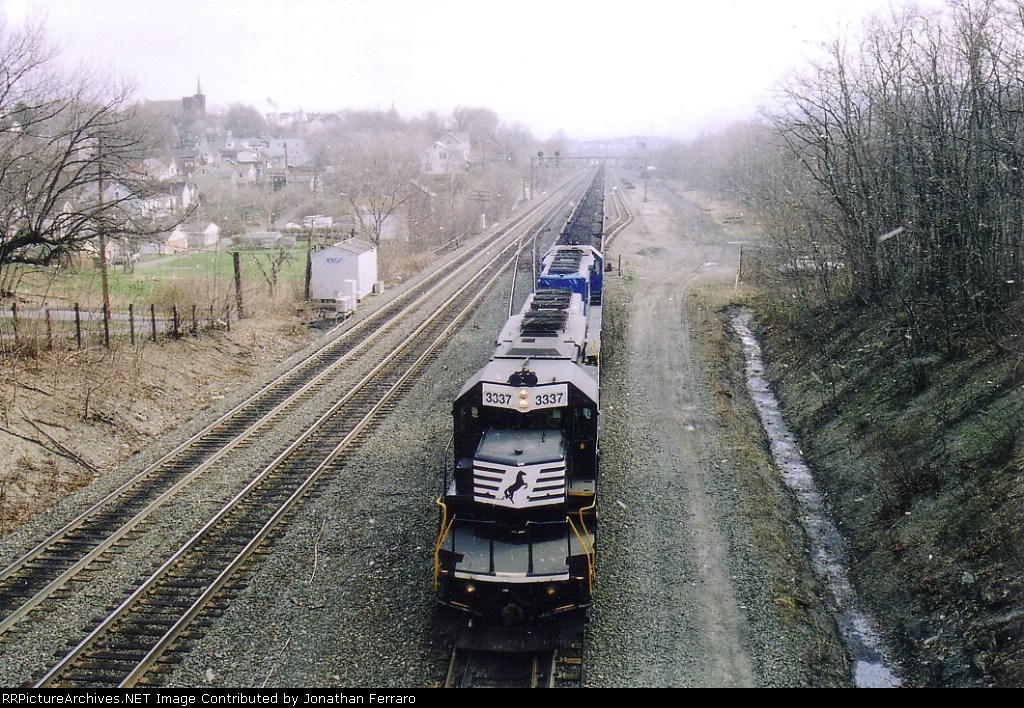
x=470 y=588
x=552 y=590
x=524 y=396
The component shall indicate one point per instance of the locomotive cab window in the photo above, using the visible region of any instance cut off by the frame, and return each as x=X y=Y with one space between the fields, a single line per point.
x=469 y=413
x=584 y=422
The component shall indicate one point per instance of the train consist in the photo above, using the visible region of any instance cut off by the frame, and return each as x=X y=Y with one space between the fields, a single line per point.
x=518 y=508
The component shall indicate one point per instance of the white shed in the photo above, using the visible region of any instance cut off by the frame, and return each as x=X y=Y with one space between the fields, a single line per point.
x=167 y=243
x=352 y=260
x=201 y=235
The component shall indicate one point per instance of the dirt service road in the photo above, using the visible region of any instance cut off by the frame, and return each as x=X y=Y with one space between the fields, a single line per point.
x=702 y=580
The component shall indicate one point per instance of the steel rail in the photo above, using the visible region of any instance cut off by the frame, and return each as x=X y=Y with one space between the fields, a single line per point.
x=375 y=333
x=211 y=591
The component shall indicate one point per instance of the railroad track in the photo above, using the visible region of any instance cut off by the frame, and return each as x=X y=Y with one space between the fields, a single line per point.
x=623 y=216
x=548 y=656
x=176 y=595
x=542 y=667
x=43 y=573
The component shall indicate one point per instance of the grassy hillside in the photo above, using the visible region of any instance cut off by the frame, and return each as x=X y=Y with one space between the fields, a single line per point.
x=922 y=458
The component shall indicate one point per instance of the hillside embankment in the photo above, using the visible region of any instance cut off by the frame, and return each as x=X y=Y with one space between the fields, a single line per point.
x=921 y=457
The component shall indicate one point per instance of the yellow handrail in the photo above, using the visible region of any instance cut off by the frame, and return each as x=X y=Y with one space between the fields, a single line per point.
x=586 y=543
x=446 y=527
x=583 y=523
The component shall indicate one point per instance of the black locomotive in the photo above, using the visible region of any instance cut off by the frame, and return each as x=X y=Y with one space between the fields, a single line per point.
x=518 y=509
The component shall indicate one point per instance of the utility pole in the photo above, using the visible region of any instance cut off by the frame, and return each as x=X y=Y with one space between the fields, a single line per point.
x=309 y=259
x=104 y=275
x=540 y=155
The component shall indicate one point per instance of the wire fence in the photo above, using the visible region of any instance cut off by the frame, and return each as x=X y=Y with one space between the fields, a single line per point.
x=205 y=302
x=25 y=330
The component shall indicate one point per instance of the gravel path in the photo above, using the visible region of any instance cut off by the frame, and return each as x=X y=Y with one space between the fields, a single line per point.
x=703 y=578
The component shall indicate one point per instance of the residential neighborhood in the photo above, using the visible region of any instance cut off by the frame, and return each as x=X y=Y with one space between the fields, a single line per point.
x=217 y=178
x=190 y=176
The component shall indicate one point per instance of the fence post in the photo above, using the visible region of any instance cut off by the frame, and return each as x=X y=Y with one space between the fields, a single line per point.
x=131 y=321
x=14 y=322
x=49 y=331
x=237 y=259
x=174 y=319
x=195 y=324
x=78 y=325
x=152 y=319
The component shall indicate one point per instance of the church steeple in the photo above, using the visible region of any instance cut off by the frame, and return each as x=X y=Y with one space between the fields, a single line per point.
x=194 y=105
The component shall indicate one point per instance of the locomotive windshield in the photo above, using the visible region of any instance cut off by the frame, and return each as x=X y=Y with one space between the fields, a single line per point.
x=577 y=422
x=517 y=448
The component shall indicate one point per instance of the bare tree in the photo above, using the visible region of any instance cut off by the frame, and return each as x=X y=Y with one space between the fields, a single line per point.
x=243 y=120
x=63 y=141
x=270 y=263
x=378 y=186
x=917 y=129
x=477 y=122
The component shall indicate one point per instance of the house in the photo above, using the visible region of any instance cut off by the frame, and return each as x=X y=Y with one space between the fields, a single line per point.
x=117 y=193
x=152 y=200
x=118 y=251
x=184 y=193
x=277 y=176
x=166 y=198
x=166 y=244
x=191 y=159
x=209 y=177
x=122 y=252
x=161 y=168
x=448 y=155
x=201 y=235
x=287 y=152
x=243 y=173
x=346 y=269
x=85 y=255
x=239 y=149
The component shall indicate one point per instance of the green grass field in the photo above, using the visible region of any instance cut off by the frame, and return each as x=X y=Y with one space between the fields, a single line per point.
x=182 y=278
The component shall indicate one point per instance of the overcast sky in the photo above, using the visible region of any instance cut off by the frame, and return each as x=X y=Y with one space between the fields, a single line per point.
x=589 y=67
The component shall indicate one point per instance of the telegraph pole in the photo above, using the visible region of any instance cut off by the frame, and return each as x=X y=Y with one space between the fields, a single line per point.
x=309 y=259
x=104 y=275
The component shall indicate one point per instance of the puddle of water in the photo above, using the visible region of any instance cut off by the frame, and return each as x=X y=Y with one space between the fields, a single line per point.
x=870 y=669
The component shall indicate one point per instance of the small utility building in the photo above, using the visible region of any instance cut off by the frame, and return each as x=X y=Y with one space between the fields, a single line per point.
x=346 y=269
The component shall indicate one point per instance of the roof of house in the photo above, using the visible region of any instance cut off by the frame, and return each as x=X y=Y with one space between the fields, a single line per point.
x=354 y=246
x=198 y=227
x=241 y=168
x=460 y=138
